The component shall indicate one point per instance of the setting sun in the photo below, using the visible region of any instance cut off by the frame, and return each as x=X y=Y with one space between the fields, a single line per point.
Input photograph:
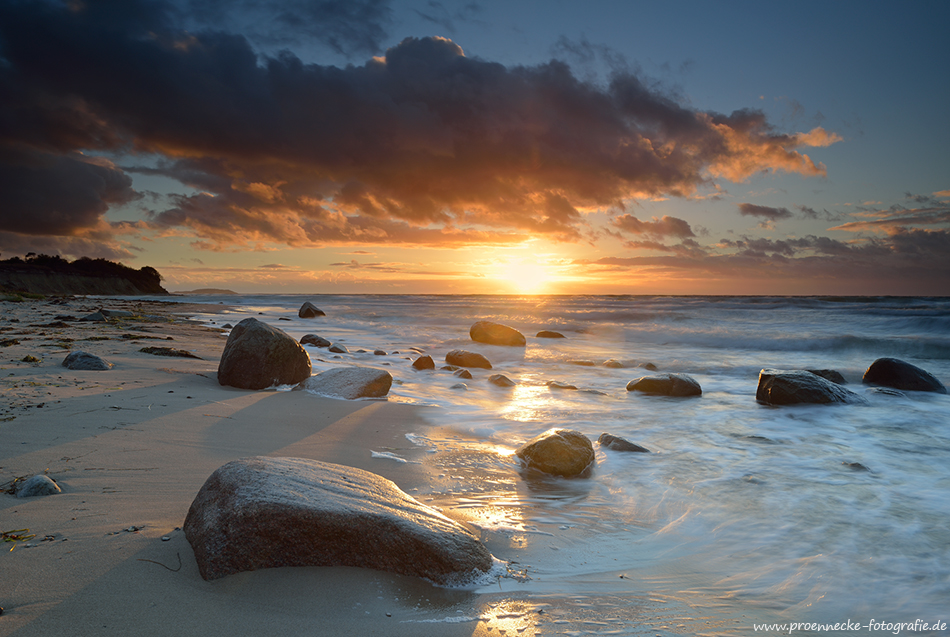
x=527 y=278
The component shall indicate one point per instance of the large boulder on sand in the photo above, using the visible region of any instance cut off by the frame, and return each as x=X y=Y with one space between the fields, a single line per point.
x=257 y=356
x=264 y=512
x=496 y=334
x=350 y=383
x=464 y=358
x=309 y=310
x=560 y=452
x=86 y=361
x=893 y=372
x=778 y=387
x=666 y=385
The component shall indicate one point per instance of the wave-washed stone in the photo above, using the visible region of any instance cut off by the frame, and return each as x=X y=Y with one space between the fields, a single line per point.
x=464 y=358
x=777 y=387
x=678 y=385
x=496 y=334
x=616 y=443
x=309 y=310
x=560 y=452
x=261 y=512
x=350 y=383
x=893 y=372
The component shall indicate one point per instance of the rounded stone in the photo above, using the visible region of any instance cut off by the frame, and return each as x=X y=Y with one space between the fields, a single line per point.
x=560 y=452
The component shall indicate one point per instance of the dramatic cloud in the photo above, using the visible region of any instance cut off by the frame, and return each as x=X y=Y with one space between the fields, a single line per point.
x=896 y=219
x=665 y=227
x=764 y=212
x=421 y=146
x=49 y=194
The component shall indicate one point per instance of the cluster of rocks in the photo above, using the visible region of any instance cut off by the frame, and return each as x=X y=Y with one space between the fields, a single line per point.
x=823 y=386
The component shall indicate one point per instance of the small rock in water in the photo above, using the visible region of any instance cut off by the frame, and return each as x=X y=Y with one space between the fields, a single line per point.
x=501 y=380
x=463 y=373
x=336 y=348
x=496 y=334
x=613 y=363
x=379 y=352
x=893 y=372
x=678 y=385
x=857 y=466
x=778 y=387
x=37 y=485
x=829 y=374
x=459 y=386
x=548 y=334
x=561 y=452
x=309 y=310
x=423 y=362
x=464 y=358
x=316 y=341
x=556 y=384
x=616 y=443
x=583 y=363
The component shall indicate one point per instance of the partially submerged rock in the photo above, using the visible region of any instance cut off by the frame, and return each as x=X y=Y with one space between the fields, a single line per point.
x=496 y=334
x=423 y=362
x=560 y=452
x=86 y=361
x=549 y=334
x=350 y=383
x=501 y=380
x=309 y=310
x=829 y=374
x=893 y=372
x=463 y=373
x=264 y=512
x=464 y=358
x=556 y=384
x=778 y=387
x=258 y=355
x=678 y=385
x=337 y=348
x=37 y=485
x=616 y=443
x=316 y=341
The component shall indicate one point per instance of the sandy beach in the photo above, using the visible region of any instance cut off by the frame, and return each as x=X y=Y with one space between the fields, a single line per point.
x=131 y=446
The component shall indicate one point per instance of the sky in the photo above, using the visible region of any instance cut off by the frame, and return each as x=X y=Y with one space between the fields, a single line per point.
x=513 y=147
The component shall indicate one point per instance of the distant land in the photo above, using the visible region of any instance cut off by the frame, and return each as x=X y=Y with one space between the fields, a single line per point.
x=205 y=291
x=54 y=275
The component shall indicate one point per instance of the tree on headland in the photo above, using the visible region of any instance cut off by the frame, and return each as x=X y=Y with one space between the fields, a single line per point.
x=147 y=280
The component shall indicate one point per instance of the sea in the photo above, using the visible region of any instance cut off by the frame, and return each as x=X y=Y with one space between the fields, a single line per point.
x=741 y=512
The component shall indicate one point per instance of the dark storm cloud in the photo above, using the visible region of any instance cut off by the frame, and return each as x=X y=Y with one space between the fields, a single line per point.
x=424 y=144
x=665 y=227
x=764 y=212
x=48 y=194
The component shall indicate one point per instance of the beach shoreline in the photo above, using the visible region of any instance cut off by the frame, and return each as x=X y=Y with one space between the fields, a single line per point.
x=130 y=447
